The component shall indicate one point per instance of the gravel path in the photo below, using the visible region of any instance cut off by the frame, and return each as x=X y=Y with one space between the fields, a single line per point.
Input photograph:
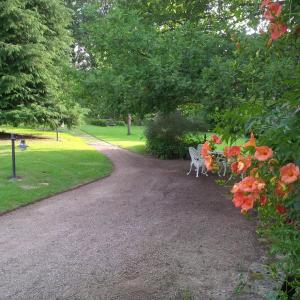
x=148 y=231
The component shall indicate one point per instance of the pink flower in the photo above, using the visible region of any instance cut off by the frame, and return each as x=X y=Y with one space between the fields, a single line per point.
x=249 y=185
x=277 y=30
x=216 y=139
x=208 y=161
x=273 y=11
x=263 y=200
x=264 y=3
x=251 y=142
x=205 y=149
x=232 y=151
x=245 y=202
x=289 y=173
x=241 y=165
x=248 y=203
x=263 y=153
x=281 y=209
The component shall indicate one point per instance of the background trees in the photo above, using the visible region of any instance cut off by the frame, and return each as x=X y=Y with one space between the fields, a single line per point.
x=144 y=57
x=151 y=56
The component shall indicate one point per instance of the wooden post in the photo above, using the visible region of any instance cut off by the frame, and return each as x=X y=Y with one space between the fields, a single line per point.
x=129 y=125
x=13 y=156
x=56 y=134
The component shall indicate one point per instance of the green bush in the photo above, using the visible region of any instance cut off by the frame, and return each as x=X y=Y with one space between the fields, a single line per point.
x=192 y=140
x=168 y=138
x=197 y=114
x=110 y=122
x=98 y=122
x=120 y=123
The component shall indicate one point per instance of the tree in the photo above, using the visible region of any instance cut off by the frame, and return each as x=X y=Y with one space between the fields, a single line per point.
x=34 y=49
x=144 y=64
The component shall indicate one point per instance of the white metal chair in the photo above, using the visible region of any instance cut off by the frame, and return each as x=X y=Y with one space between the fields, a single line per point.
x=197 y=161
x=222 y=163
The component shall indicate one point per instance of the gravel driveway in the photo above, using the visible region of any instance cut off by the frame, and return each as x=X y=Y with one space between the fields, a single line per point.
x=146 y=232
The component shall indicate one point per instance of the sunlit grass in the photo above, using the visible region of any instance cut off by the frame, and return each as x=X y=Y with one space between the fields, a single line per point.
x=117 y=135
x=47 y=166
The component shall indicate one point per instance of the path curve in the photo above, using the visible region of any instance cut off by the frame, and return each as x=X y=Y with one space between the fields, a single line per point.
x=148 y=231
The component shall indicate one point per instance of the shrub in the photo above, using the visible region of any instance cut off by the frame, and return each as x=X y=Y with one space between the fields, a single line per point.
x=167 y=136
x=191 y=140
x=110 y=122
x=197 y=114
x=120 y=123
x=98 y=122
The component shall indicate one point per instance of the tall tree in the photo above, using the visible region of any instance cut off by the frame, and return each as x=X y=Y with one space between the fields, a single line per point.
x=34 y=50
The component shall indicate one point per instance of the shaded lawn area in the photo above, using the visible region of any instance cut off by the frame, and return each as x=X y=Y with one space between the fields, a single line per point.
x=47 y=167
x=117 y=135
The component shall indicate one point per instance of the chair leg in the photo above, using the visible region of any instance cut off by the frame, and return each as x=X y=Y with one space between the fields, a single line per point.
x=220 y=169
x=190 y=169
x=203 y=171
x=225 y=169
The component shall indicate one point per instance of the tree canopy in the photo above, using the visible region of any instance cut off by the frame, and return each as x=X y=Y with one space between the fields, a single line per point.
x=151 y=56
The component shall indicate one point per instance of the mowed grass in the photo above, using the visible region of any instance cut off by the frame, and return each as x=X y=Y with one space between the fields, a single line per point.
x=117 y=135
x=47 y=167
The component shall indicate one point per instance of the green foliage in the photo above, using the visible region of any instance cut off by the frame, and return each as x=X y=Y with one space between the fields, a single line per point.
x=34 y=50
x=98 y=122
x=120 y=123
x=192 y=139
x=279 y=128
x=196 y=113
x=166 y=136
x=105 y=122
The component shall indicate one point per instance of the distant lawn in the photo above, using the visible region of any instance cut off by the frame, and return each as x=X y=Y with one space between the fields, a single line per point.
x=135 y=142
x=47 y=167
x=117 y=135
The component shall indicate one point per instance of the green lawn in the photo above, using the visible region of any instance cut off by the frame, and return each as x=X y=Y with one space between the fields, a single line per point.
x=47 y=167
x=117 y=135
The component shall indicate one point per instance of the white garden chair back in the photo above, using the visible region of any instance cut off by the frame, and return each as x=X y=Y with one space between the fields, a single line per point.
x=196 y=161
x=199 y=147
